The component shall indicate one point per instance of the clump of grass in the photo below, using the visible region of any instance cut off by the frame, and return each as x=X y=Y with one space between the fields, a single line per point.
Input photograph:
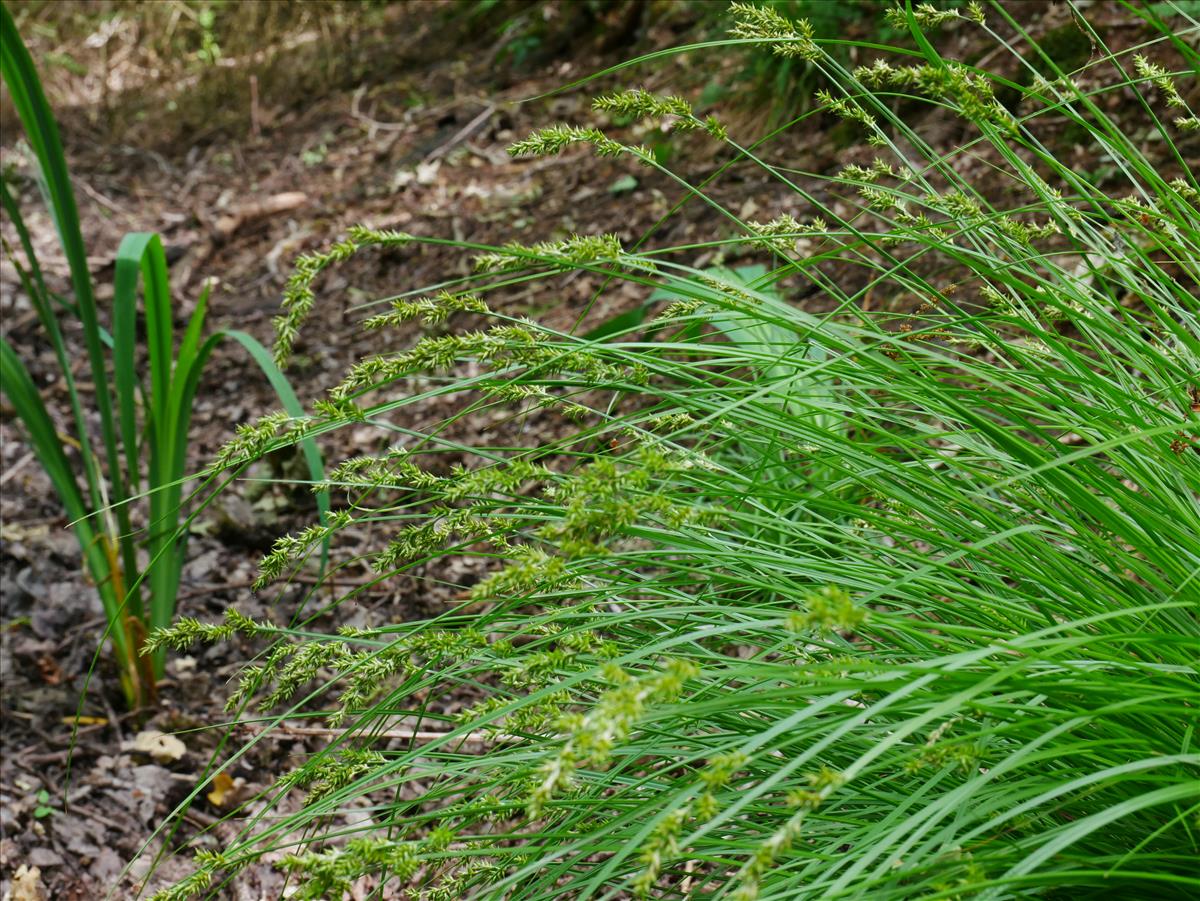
x=855 y=604
x=139 y=449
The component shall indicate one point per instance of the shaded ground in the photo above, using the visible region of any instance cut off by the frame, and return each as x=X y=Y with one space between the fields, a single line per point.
x=412 y=138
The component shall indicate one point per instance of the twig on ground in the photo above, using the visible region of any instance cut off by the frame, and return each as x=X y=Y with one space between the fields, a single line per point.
x=16 y=468
x=466 y=132
x=102 y=200
x=420 y=735
x=212 y=588
x=374 y=124
x=244 y=213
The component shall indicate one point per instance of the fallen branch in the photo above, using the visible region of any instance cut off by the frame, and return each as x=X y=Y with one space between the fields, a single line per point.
x=466 y=132
x=419 y=735
x=241 y=214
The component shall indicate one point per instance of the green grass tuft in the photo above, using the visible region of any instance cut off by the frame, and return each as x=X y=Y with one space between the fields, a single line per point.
x=850 y=604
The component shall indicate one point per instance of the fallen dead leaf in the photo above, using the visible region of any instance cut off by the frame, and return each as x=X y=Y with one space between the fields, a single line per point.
x=85 y=721
x=45 y=857
x=51 y=672
x=26 y=885
x=225 y=789
x=160 y=746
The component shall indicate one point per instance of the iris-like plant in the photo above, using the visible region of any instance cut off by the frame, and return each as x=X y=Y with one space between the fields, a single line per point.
x=139 y=450
x=872 y=603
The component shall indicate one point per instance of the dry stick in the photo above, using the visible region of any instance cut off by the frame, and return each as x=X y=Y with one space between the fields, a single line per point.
x=255 y=121
x=16 y=468
x=90 y=813
x=258 y=209
x=102 y=200
x=422 y=735
x=213 y=587
x=467 y=131
x=686 y=885
x=495 y=157
x=375 y=124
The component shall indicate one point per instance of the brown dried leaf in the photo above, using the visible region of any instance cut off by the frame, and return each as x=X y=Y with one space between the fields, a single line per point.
x=225 y=790
x=160 y=746
x=27 y=885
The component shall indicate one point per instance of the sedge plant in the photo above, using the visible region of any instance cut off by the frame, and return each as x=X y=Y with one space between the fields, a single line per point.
x=135 y=448
x=896 y=600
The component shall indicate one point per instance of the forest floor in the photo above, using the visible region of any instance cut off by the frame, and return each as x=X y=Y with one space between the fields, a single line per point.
x=416 y=144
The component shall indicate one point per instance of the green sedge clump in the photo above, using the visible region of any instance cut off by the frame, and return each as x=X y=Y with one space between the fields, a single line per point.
x=883 y=594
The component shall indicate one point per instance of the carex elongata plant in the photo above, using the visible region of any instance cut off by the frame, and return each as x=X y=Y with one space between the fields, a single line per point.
x=140 y=447
x=894 y=600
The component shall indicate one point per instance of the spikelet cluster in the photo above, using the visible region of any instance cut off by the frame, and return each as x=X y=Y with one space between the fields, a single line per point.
x=662 y=845
x=511 y=394
x=431 y=537
x=595 y=505
x=960 y=213
x=967 y=213
x=557 y=138
x=829 y=609
x=589 y=738
x=430 y=310
x=938 y=751
x=786 y=37
x=298 y=295
x=818 y=787
x=679 y=309
x=566 y=652
x=251 y=441
x=207 y=865
x=952 y=83
x=330 y=773
x=569 y=253
x=467 y=878
x=529 y=718
x=929 y=16
x=393 y=469
x=1162 y=80
x=850 y=110
x=188 y=631
x=500 y=348
x=640 y=104
x=332 y=873
x=290 y=550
